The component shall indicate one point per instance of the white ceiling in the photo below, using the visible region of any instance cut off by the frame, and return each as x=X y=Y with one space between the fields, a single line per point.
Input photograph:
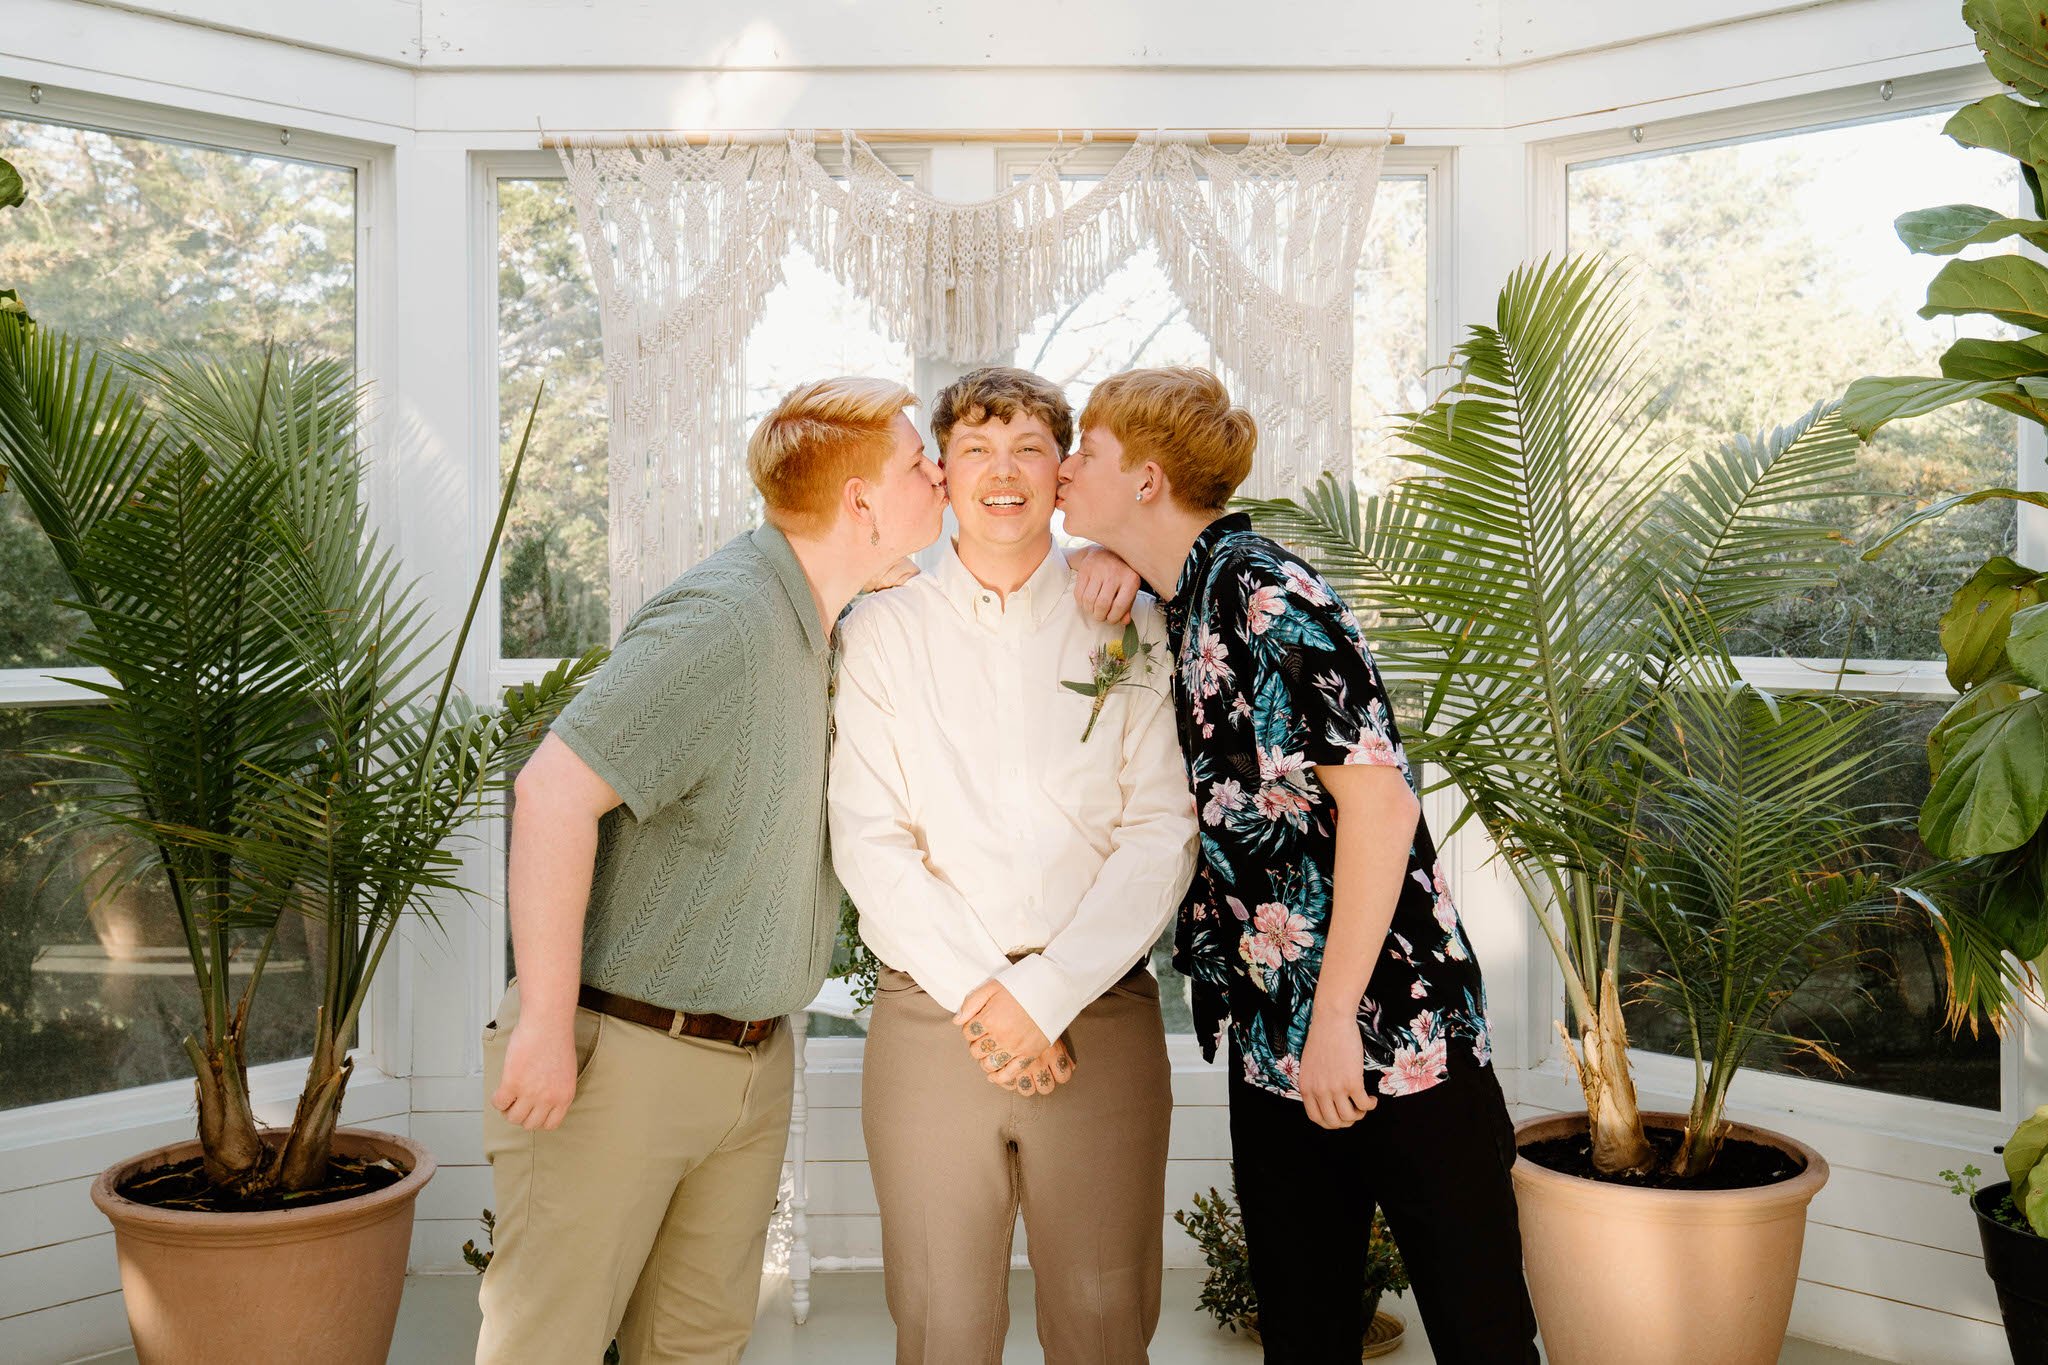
x=840 y=34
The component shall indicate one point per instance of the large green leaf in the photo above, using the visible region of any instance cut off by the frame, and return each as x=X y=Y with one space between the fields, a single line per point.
x=12 y=191
x=1992 y=791
x=2003 y=690
x=1979 y=617
x=2027 y=1147
x=1946 y=505
x=2016 y=910
x=2010 y=288
x=1980 y=358
x=1870 y=403
x=1948 y=229
x=2014 y=44
x=2027 y=646
x=2000 y=123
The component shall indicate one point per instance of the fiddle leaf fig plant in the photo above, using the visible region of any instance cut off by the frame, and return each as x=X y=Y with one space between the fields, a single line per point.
x=1989 y=755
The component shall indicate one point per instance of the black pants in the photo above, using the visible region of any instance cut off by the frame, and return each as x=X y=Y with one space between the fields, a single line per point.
x=1437 y=1163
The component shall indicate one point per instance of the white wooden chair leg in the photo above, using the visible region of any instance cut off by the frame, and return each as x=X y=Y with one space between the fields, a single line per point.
x=800 y=1181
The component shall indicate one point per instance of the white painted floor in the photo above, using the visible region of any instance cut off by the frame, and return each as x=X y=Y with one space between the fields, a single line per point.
x=437 y=1324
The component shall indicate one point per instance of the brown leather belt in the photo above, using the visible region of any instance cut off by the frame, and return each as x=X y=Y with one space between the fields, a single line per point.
x=677 y=1023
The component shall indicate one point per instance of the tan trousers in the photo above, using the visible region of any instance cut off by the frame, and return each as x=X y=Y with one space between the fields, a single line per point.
x=644 y=1215
x=954 y=1158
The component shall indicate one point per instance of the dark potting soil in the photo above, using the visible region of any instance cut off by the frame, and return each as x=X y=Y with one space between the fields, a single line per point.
x=183 y=1185
x=1742 y=1165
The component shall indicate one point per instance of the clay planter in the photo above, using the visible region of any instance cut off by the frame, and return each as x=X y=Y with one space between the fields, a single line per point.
x=2018 y=1265
x=1661 y=1277
x=315 y=1286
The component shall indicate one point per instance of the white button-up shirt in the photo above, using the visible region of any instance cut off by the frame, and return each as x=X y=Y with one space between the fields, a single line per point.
x=971 y=824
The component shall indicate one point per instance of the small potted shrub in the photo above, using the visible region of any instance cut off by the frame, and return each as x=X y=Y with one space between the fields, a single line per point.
x=2012 y=1222
x=1227 y=1293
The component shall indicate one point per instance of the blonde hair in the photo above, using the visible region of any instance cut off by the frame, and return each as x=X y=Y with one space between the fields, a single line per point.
x=996 y=393
x=820 y=435
x=1181 y=417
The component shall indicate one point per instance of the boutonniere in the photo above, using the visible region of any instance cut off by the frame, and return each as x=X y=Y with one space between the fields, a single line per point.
x=1113 y=662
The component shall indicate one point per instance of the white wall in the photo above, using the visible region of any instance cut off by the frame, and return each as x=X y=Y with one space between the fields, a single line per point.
x=1500 y=86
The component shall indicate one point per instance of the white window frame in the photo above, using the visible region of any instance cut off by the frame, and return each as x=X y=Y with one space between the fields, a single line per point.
x=2023 y=1054
x=380 y=1046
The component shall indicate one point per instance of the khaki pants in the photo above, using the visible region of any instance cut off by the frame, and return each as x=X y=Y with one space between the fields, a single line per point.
x=644 y=1215
x=954 y=1158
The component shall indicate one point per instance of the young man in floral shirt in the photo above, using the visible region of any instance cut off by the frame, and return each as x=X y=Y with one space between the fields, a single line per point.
x=1319 y=932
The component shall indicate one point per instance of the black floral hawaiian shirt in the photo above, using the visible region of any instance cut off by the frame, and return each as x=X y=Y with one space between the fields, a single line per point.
x=1272 y=678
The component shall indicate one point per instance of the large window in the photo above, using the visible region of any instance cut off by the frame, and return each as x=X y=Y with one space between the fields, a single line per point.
x=145 y=243
x=554 y=579
x=1769 y=277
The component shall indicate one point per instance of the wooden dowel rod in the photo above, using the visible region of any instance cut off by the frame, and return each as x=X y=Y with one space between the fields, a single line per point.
x=1108 y=136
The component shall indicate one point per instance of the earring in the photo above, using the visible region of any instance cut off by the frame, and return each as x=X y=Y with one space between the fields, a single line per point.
x=874 y=536
x=1141 y=496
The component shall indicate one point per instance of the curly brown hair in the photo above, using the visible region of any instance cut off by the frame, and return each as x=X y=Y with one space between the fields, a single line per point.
x=996 y=393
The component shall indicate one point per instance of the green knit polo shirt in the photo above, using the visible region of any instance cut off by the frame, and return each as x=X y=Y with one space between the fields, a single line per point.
x=713 y=892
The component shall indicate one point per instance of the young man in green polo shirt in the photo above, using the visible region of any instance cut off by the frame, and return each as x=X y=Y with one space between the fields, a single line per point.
x=670 y=901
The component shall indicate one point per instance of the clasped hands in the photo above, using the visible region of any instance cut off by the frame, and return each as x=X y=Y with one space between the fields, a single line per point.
x=1007 y=1044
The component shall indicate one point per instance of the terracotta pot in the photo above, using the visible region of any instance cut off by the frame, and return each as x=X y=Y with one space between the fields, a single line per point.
x=1661 y=1277
x=2018 y=1265
x=313 y=1286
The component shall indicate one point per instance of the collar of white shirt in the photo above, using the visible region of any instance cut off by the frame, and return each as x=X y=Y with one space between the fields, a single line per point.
x=1040 y=595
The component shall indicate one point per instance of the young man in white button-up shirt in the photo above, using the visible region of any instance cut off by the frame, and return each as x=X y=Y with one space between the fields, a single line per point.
x=1012 y=876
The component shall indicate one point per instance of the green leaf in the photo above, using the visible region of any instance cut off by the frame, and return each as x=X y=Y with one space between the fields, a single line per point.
x=12 y=191
x=2027 y=646
x=1979 y=616
x=2017 y=908
x=1946 y=505
x=1085 y=689
x=1130 y=640
x=2000 y=123
x=1980 y=700
x=2035 y=1202
x=1948 y=229
x=1870 y=403
x=2010 y=288
x=1980 y=359
x=2027 y=1146
x=1993 y=788
x=2010 y=35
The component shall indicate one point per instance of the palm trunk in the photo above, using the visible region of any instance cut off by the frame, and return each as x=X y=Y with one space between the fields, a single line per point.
x=230 y=1144
x=302 y=1165
x=1613 y=1120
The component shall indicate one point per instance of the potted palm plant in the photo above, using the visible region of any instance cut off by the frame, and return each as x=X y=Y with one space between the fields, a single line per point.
x=1556 y=585
x=278 y=737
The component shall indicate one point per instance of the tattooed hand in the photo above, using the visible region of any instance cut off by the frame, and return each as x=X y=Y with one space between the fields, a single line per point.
x=1038 y=1075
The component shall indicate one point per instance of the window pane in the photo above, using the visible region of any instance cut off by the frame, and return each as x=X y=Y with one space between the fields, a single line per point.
x=1886 y=1025
x=1390 y=329
x=139 y=242
x=1769 y=278
x=96 y=991
x=554 y=584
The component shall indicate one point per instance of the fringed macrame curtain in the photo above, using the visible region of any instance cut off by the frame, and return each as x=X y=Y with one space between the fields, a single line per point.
x=686 y=244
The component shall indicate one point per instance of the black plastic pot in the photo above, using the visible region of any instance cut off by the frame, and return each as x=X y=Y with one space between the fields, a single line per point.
x=2018 y=1264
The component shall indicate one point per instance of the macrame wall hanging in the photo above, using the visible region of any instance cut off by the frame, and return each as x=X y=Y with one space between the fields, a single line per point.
x=687 y=242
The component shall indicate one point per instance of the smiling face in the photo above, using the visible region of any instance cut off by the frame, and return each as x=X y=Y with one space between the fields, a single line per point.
x=1002 y=476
